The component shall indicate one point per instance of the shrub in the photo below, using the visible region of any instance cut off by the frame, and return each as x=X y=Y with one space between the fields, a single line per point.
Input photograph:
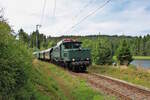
x=15 y=65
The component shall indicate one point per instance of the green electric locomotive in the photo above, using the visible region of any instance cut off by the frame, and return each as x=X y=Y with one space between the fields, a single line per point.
x=68 y=53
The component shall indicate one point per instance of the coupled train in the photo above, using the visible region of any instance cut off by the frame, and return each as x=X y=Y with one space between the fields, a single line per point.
x=67 y=53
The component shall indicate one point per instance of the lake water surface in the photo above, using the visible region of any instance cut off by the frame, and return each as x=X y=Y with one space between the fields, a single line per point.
x=141 y=63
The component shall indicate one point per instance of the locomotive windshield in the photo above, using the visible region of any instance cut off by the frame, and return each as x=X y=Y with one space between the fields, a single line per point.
x=72 y=45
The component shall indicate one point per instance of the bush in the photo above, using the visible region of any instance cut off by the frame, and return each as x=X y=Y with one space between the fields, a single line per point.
x=124 y=56
x=104 y=55
x=15 y=65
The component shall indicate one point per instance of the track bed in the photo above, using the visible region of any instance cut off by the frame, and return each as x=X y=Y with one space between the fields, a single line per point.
x=121 y=89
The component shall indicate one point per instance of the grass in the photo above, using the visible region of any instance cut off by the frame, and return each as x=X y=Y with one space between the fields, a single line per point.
x=54 y=83
x=130 y=74
x=46 y=88
x=136 y=58
x=141 y=57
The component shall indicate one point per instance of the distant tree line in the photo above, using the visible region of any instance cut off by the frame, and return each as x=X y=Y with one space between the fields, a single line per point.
x=139 y=46
x=103 y=47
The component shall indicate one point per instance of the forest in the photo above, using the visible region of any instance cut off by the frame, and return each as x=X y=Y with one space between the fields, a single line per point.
x=138 y=45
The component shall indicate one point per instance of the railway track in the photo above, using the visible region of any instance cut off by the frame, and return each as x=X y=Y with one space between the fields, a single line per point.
x=121 y=89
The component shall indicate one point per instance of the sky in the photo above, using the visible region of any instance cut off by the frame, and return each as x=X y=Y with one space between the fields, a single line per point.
x=118 y=17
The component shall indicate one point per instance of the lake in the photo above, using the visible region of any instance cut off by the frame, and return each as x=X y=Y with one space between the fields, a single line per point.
x=141 y=63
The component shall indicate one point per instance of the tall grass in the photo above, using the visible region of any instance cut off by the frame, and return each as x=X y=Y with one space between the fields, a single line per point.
x=129 y=74
x=68 y=87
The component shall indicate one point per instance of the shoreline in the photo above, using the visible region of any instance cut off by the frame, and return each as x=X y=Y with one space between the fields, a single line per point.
x=141 y=57
x=137 y=57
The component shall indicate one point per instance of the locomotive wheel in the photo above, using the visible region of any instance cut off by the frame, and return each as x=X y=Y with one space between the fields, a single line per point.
x=69 y=66
x=63 y=64
x=73 y=68
x=76 y=68
x=83 y=69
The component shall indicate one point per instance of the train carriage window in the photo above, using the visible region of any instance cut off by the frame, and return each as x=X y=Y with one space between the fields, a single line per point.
x=57 y=49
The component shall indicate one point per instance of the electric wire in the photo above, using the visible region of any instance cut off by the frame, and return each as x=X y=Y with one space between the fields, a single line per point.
x=43 y=12
x=93 y=12
x=84 y=7
x=54 y=10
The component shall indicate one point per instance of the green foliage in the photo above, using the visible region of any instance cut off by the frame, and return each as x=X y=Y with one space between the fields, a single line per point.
x=140 y=46
x=23 y=36
x=101 y=50
x=124 y=55
x=15 y=66
x=51 y=44
x=42 y=41
x=130 y=74
x=103 y=47
x=104 y=55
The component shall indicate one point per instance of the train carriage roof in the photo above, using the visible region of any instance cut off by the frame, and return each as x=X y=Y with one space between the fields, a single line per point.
x=47 y=50
x=36 y=52
x=44 y=51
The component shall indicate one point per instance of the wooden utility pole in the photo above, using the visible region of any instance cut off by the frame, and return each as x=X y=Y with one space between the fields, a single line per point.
x=37 y=34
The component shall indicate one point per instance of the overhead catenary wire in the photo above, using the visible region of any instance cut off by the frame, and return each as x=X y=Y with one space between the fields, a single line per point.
x=88 y=4
x=89 y=15
x=54 y=10
x=93 y=12
x=1 y=14
x=84 y=7
x=43 y=12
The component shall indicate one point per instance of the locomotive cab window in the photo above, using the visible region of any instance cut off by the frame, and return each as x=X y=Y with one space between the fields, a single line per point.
x=67 y=46
x=72 y=45
x=76 y=45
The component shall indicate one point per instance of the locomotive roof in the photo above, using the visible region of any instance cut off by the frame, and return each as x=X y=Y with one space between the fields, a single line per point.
x=66 y=41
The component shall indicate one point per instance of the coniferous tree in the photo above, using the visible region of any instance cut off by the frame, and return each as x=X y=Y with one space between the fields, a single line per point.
x=33 y=40
x=23 y=36
x=104 y=55
x=124 y=55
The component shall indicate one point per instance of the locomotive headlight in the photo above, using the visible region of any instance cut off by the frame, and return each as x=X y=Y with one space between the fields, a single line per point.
x=87 y=58
x=73 y=59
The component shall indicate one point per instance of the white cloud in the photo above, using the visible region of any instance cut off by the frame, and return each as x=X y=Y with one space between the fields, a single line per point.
x=132 y=18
